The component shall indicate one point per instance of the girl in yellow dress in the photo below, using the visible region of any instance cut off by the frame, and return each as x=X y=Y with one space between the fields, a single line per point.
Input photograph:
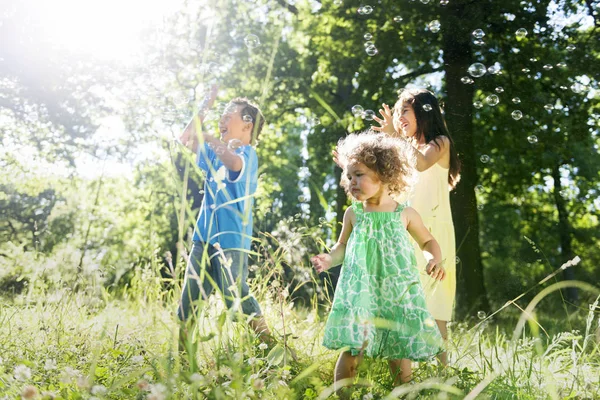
x=417 y=117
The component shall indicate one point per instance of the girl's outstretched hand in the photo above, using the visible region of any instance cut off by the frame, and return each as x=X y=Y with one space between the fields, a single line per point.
x=436 y=271
x=386 y=124
x=336 y=158
x=321 y=262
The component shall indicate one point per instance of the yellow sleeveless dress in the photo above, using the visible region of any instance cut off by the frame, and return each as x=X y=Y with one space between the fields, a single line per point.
x=431 y=198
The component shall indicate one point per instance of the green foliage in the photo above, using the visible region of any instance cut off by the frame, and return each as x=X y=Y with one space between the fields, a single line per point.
x=63 y=344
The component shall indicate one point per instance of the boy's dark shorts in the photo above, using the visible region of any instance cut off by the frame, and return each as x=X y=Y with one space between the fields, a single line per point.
x=230 y=281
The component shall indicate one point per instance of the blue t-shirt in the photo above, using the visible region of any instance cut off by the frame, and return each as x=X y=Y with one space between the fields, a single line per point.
x=226 y=211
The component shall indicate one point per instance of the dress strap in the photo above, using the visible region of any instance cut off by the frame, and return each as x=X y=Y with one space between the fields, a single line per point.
x=401 y=207
x=357 y=206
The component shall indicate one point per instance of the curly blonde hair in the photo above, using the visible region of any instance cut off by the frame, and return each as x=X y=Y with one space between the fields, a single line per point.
x=390 y=158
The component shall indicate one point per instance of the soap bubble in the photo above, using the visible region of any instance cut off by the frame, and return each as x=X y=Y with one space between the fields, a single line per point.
x=578 y=88
x=234 y=144
x=252 y=41
x=532 y=139
x=517 y=115
x=478 y=33
x=481 y=314
x=494 y=69
x=477 y=70
x=521 y=33
x=368 y=115
x=466 y=80
x=434 y=26
x=365 y=10
x=371 y=50
x=357 y=110
x=398 y=18
x=484 y=158
x=492 y=100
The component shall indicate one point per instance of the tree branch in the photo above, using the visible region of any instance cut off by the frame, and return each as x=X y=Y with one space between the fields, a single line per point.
x=291 y=8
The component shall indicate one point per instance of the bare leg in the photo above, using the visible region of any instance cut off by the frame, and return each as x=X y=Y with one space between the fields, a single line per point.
x=401 y=371
x=260 y=327
x=443 y=327
x=345 y=370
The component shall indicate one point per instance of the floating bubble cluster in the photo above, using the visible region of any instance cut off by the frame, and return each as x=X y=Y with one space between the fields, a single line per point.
x=365 y=10
x=434 y=26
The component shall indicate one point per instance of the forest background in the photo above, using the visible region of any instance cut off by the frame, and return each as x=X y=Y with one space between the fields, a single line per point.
x=96 y=194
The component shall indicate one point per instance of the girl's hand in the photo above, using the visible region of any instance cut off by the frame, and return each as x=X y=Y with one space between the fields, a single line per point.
x=321 y=262
x=336 y=158
x=435 y=270
x=387 y=123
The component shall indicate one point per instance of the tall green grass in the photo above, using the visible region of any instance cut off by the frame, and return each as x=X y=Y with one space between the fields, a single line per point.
x=96 y=344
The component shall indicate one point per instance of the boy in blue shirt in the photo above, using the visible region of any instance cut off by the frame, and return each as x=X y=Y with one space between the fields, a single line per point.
x=223 y=232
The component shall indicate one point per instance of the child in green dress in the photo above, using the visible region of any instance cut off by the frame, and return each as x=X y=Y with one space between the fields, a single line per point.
x=379 y=307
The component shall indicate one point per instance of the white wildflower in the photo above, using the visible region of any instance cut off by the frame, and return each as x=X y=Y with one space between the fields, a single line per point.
x=50 y=364
x=158 y=391
x=137 y=359
x=83 y=382
x=22 y=373
x=98 y=390
x=263 y=346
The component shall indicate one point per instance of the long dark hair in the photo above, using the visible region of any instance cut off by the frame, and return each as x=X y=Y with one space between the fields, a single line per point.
x=430 y=125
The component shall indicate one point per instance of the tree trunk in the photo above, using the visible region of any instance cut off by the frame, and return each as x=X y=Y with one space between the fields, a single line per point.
x=564 y=232
x=471 y=293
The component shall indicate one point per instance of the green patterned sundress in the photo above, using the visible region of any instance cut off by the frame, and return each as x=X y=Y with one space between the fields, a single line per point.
x=379 y=305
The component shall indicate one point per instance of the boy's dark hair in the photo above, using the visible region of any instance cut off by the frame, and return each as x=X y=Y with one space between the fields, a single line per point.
x=251 y=109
